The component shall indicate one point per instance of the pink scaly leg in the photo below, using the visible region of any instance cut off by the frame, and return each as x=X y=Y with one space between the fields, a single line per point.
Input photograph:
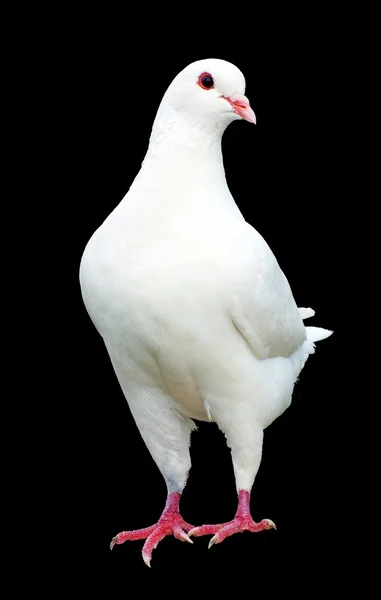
x=241 y=522
x=170 y=523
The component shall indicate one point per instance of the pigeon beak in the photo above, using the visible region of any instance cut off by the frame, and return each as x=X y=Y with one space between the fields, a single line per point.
x=241 y=107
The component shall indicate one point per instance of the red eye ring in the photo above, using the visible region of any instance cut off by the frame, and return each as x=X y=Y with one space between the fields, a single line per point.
x=205 y=81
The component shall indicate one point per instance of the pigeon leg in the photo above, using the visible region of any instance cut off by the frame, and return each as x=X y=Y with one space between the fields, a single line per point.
x=241 y=522
x=245 y=441
x=170 y=523
x=166 y=433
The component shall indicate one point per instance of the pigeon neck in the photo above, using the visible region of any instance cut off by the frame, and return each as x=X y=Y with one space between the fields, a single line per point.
x=186 y=145
x=182 y=175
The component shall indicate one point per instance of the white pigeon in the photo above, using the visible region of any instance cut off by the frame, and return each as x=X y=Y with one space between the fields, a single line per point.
x=197 y=317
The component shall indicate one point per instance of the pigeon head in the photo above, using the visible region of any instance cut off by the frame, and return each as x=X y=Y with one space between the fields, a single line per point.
x=199 y=104
x=209 y=92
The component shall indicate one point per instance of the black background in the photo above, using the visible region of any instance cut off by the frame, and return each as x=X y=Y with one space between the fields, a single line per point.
x=287 y=176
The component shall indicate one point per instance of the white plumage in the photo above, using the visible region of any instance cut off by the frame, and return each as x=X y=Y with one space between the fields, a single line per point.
x=196 y=314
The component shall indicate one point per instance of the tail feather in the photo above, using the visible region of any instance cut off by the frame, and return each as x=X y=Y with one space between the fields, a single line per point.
x=306 y=313
x=315 y=334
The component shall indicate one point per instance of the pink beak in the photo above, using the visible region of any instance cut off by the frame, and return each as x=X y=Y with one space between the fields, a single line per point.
x=241 y=106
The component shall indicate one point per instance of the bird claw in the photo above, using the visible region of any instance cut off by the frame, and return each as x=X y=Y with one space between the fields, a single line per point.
x=185 y=538
x=181 y=535
x=224 y=530
x=170 y=523
x=113 y=542
x=270 y=524
x=147 y=560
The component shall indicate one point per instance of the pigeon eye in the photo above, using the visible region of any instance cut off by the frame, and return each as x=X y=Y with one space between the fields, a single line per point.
x=205 y=81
